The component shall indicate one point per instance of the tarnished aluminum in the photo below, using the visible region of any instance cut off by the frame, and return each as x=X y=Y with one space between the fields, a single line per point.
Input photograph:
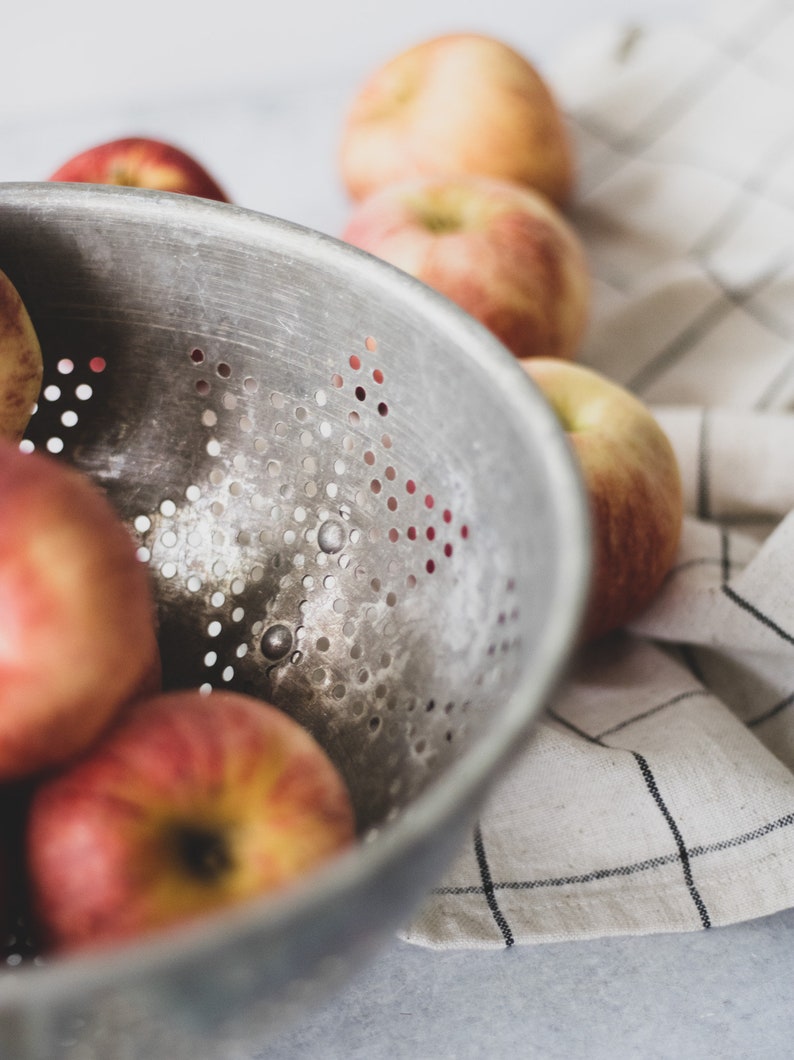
x=355 y=504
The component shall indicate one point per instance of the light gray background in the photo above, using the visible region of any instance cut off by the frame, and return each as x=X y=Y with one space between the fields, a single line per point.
x=258 y=91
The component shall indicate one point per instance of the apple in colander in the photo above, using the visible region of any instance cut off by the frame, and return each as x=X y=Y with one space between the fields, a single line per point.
x=633 y=484
x=21 y=365
x=190 y=803
x=77 y=620
x=460 y=103
x=141 y=162
x=502 y=252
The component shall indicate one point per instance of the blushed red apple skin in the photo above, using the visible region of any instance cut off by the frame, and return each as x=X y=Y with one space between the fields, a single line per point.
x=104 y=858
x=77 y=619
x=500 y=251
x=633 y=484
x=141 y=162
x=460 y=103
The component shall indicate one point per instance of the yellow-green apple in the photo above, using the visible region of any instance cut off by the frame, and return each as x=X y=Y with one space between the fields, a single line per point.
x=633 y=485
x=501 y=251
x=77 y=620
x=141 y=162
x=21 y=365
x=191 y=802
x=457 y=103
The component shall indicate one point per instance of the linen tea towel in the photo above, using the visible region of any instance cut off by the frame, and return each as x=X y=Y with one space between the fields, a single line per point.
x=657 y=794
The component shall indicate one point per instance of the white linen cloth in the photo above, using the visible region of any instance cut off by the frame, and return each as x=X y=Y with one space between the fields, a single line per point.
x=658 y=792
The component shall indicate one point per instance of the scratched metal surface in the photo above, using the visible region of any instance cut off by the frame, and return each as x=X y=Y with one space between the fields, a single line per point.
x=287 y=427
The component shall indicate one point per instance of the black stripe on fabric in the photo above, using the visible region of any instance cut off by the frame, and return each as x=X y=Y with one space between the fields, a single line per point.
x=705 y=321
x=683 y=854
x=673 y=351
x=596 y=875
x=786 y=821
x=703 y=487
x=725 y=555
x=772 y=712
x=693 y=693
x=574 y=728
x=488 y=888
x=650 y=782
x=701 y=561
x=755 y=184
x=680 y=100
x=771 y=395
x=751 y=609
x=690 y=660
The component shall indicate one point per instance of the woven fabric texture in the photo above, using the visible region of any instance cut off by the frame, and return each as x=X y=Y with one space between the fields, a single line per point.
x=657 y=794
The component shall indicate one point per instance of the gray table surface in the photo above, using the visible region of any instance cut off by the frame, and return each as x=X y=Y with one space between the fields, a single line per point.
x=724 y=993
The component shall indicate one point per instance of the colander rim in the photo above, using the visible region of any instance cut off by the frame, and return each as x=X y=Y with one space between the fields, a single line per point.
x=69 y=976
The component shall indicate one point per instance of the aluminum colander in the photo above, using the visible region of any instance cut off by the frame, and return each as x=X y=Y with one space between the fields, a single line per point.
x=354 y=504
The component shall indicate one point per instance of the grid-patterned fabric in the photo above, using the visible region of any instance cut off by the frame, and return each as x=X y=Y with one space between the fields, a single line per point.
x=658 y=793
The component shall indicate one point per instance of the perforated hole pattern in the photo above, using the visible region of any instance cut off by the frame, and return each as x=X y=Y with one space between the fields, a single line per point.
x=303 y=559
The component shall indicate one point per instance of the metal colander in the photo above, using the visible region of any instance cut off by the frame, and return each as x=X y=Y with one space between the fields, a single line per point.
x=354 y=504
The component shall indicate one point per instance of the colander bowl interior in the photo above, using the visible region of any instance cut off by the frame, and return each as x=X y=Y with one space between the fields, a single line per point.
x=353 y=503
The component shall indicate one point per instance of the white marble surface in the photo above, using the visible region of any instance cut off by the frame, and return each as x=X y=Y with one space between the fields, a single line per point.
x=257 y=91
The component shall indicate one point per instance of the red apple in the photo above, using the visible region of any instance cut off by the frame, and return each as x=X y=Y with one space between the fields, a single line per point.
x=77 y=633
x=141 y=162
x=21 y=365
x=190 y=803
x=502 y=252
x=458 y=103
x=633 y=484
